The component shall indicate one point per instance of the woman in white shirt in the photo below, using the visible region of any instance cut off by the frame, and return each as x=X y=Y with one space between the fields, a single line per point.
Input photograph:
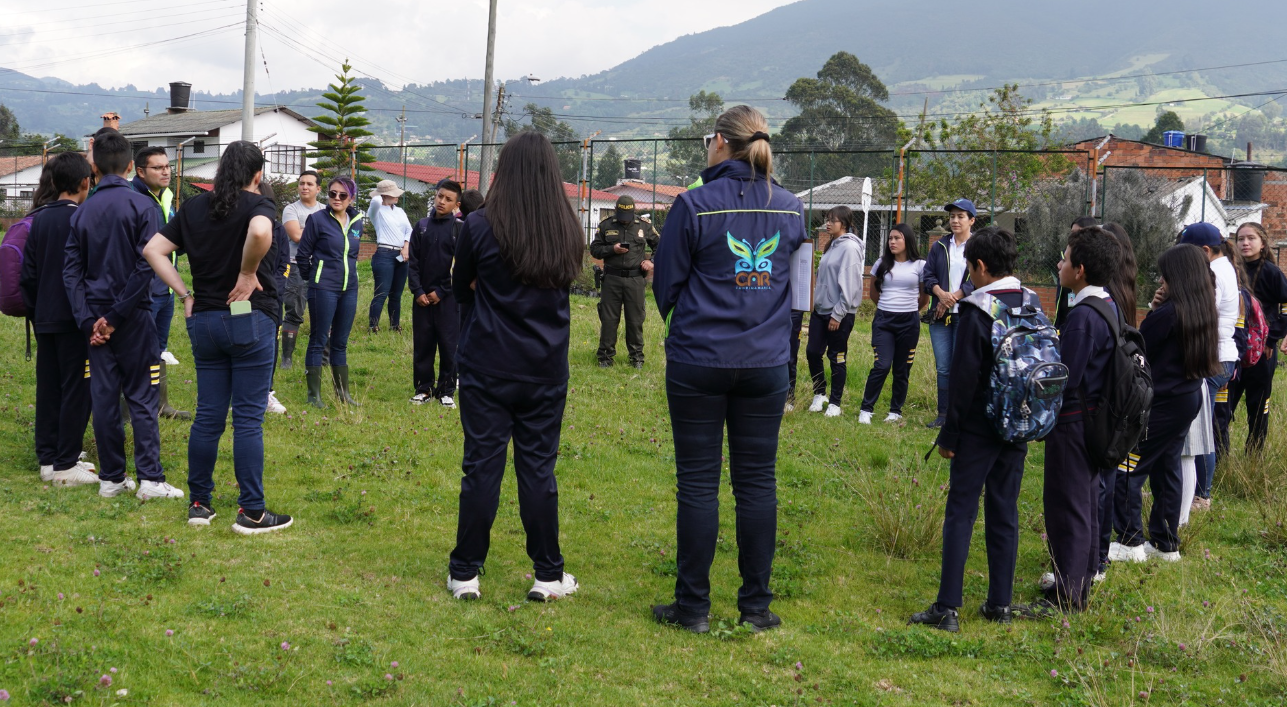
x=896 y=289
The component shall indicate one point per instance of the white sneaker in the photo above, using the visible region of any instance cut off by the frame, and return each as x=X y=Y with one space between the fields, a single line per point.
x=46 y=472
x=834 y=411
x=1118 y=552
x=864 y=417
x=169 y=358
x=78 y=475
x=419 y=398
x=545 y=591
x=274 y=405
x=1153 y=553
x=819 y=403
x=1046 y=582
x=109 y=489
x=464 y=590
x=1099 y=577
x=157 y=489
x=84 y=463
x=893 y=417
x=789 y=407
x=447 y=402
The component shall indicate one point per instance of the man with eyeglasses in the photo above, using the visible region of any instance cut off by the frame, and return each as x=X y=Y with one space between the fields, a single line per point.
x=152 y=179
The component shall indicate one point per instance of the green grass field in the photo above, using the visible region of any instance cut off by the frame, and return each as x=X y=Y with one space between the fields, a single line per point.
x=349 y=605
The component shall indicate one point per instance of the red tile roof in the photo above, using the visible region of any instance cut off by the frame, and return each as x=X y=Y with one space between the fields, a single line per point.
x=662 y=189
x=432 y=175
x=13 y=165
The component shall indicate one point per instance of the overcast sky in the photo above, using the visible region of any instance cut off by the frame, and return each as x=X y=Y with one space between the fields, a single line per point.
x=398 y=41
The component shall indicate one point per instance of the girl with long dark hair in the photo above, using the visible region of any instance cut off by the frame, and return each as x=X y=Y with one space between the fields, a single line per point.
x=1268 y=285
x=722 y=282
x=896 y=329
x=1122 y=288
x=1182 y=345
x=515 y=260
x=327 y=258
x=232 y=323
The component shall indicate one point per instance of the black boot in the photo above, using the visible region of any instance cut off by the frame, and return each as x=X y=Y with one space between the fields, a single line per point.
x=167 y=410
x=942 y=410
x=340 y=375
x=288 y=348
x=314 y=375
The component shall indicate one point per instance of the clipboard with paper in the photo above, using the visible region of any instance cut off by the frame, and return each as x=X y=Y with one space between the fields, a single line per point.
x=802 y=278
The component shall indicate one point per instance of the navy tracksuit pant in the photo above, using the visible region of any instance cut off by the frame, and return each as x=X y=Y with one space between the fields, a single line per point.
x=492 y=412
x=836 y=345
x=62 y=398
x=1071 y=499
x=1168 y=423
x=894 y=336
x=128 y=364
x=1257 y=384
x=797 y=323
x=435 y=330
x=983 y=466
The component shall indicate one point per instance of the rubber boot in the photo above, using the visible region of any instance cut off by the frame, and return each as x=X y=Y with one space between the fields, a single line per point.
x=340 y=375
x=314 y=376
x=167 y=410
x=288 y=348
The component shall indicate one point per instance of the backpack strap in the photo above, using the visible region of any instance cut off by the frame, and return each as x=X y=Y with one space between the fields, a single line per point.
x=1115 y=324
x=990 y=305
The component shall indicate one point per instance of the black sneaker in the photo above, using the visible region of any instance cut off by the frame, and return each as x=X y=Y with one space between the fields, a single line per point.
x=638 y=365
x=943 y=618
x=267 y=523
x=669 y=614
x=762 y=621
x=199 y=514
x=1037 y=610
x=605 y=364
x=396 y=328
x=937 y=423
x=995 y=614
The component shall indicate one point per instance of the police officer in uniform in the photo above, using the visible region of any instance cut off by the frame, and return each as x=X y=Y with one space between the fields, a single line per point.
x=621 y=243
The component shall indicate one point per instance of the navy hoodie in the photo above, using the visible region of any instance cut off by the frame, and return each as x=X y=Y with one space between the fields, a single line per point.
x=1165 y=354
x=1086 y=346
x=722 y=276
x=42 y=269
x=970 y=376
x=1270 y=287
x=430 y=253
x=105 y=272
x=507 y=329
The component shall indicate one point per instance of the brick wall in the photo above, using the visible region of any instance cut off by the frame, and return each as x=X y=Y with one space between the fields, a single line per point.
x=366 y=249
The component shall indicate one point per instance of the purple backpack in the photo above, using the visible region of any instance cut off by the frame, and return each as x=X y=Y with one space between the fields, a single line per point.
x=11 y=251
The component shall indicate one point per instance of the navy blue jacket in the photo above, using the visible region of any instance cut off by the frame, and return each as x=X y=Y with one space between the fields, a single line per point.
x=937 y=271
x=431 y=250
x=105 y=273
x=1086 y=346
x=42 y=269
x=722 y=276
x=967 y=397
x=327 y=256
x=281 y=271
x=1165 y=354
x=507 y=329
x=1270 y=287
x=159 y=288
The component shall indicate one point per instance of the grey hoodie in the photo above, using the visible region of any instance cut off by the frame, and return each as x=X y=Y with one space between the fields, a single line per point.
x=838 y=288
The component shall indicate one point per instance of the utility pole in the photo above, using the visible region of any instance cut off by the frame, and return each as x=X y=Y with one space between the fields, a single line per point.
x=402 y=143
x=248 y=75
x=485 y=169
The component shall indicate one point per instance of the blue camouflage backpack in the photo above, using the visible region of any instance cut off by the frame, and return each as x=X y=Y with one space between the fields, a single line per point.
x=1026 y=386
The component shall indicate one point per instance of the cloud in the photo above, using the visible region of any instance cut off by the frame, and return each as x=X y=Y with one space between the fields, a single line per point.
x=125 y=43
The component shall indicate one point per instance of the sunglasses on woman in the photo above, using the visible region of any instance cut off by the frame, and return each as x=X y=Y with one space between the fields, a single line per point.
x=708 y=139
x=338 y=195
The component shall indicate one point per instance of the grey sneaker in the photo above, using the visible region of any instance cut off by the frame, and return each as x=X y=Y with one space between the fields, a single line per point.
x=268 y=522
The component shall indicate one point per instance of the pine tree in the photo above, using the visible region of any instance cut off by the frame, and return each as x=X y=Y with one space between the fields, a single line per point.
x=339 y=131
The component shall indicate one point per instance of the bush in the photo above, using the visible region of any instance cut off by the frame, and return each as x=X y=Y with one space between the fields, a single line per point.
x=908 y=521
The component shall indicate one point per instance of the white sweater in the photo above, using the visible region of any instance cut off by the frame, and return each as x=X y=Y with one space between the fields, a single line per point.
x=1226 y=291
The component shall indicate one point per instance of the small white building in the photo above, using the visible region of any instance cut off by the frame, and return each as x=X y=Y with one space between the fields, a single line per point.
x=19 y=176
x=1193 y=200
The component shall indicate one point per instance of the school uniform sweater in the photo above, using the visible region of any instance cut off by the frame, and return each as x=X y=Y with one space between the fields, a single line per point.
x=41 y=281
x=1165 y=353
x=1270 y=287
x=431 y=250
x=1086 y=347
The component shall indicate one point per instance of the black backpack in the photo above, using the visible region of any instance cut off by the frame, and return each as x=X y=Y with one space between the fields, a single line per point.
x=1120 y=421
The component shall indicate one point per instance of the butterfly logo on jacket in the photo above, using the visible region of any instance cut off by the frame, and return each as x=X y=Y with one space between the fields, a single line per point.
x=753 y=268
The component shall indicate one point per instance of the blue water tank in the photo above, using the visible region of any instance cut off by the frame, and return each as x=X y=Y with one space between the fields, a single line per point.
x=1173 y=138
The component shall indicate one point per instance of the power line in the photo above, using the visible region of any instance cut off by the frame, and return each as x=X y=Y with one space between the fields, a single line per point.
x=139 y=29
x=119 y=50
x=93 y=18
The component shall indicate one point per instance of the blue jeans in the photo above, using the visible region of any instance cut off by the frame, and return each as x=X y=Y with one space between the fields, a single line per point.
x=943 y=340
x=163 y=310
x=234 y=361
x=390 y=277
x=330 y=319
x=702 y=401
x=1206 y=463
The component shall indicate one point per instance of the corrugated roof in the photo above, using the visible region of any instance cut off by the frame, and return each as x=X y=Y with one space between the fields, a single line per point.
x=196 y=122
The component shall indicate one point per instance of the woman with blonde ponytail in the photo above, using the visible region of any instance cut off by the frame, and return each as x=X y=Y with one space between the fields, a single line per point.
x=722 y=283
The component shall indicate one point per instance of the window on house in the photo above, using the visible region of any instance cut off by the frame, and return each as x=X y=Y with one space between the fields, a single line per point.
x=24 y=194
x=199 y=147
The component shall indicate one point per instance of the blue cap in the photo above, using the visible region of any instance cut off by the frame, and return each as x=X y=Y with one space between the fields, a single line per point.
x=965 y=205
x=1201 y=234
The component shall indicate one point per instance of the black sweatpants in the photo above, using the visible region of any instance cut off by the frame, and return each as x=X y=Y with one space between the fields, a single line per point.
x=797 y=323
x=128 y=364
x=1257 y=385
x=492 y=412
x=1071 y=503
x=1168 y=424
x=836 y=345
x=435 y=332
x=986 y=467
x=62 y=398
x=894 y=336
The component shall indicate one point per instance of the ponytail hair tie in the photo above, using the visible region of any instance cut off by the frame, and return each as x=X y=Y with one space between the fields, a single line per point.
x=758 y=135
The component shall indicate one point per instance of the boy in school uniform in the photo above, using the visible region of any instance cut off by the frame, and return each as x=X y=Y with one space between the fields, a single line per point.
x=435 y=318
x=108 y=286
x=1071 y=491
x=982 y=463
